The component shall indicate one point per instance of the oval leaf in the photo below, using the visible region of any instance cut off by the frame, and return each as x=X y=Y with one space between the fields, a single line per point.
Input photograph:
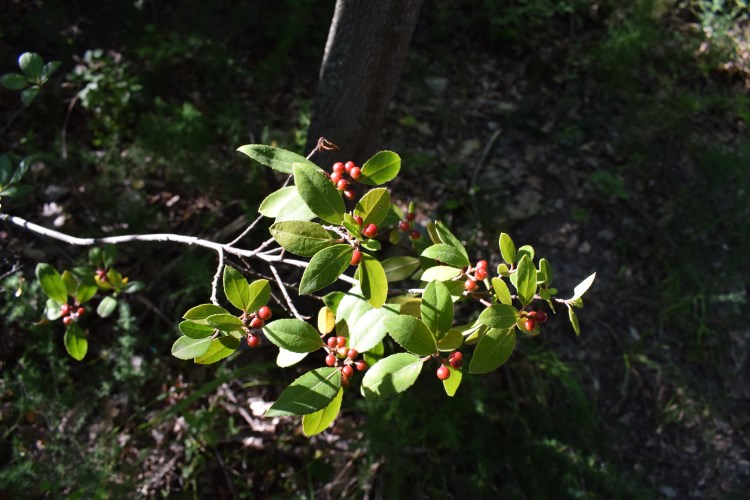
x=440 y=273
x=285 y=359
x=52 y=283
x=526 y=280
x=260 y=293
x=301 y=238
x=275 y=158
x=451 y=383
x=582 y=287
x=311 y=392
x=369 y=330
x=373 y=207
x=188 y=348
x=400 y=268
x=286 y=204
x=218 y=349
x=325 y=267
x=391 y=376
x=574 y=320
x=203 y=311
x=381 y=168
x=507 y=248
x=319 y=193
x=196 y=330
x=446 y=254
x=225 y=322
x=75 y=342
x=437 y=307
x=315 y=423
x=499 y=316
x=493 y=350
x=106 y=307
x=449 y=239
x=452 y=341
x=372 y=280
x=236 y=288
x=411 y=334
x=501 y=291
x=293 y=335
x=31 y=64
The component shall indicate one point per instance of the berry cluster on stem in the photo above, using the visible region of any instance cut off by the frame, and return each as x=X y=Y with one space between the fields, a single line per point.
x=339 y=174
x=339 y=355
x=255 y=321
x=71 y=313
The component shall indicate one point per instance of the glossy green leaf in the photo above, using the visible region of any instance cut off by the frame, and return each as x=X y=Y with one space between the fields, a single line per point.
x=28 y=95
x=411 y=334
x=13 y=81
x=373 y=206
x=219 y=349
x=236 y=288
x=52 y=283
x=31 y=64
x=369 y=330
x=507 y=248
x=195 y=330
x=134 y=286
x=189 y=348
x=400 y=268
x=21 y=170
x=501 y=291
x=285 y=204
x=285 y=359
x=275 y=158
x=301 y=238
x=203 y=311
x=499 y=316
x=449 y=239
x=446 y=254
x=75 y=342
x=527 y=250
x=582 y=287
x=71 y=285
x=293 y=335
x=315 y=423
x=493 y=350
x=311 y=392
x=319 y=193
x=437 y=307
x=546 y=270
x=87 y=289
x=325 y=267
x=374 y=355
x=574 y=320
x=391 y=376
x=452 y=383
x=440 y=273
x=225 y=322
x=372 y=280
x=352 y=307
x=451 y=341
x=52 y=310
x=106 y=307
x=381 y=168
x=526 y=280
x=49 y=69
x=260 y=294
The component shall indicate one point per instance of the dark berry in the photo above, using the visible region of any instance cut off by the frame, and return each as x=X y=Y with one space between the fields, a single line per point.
x=415 y=235
x=403 y=225
x=331 y=360
x=480 y=273
x=265 y=313
x=443 y=372
x=355 y=172
x=332 y=342
x=455 y=363
x=338 y=168
x=257 y=323
x=253 y=341
x=371 y=230
x=347 y=371
x=361 y=365
x=356 y=257
x=352 y=353
x=410 y=216
x=456 y=355
x=470 y=284
x=541 y=316
x=529 y=325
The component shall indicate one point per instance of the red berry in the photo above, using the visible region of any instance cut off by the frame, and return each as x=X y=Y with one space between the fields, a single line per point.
x=529 y=325
x=80 y=311
x=371 y=230
x=349 y=194
x=342 y=184
x=356 y=257
x=348 y=166
x=101 y=273
x=359 y=220
x=531 y=314
x=410 y=216
x=352 y=353
x=456 y=355
x=253 y=341
x=257 y=323
x=265 y=313
x=403 y=225
x=336 y=177
x=67 y=320
x=355 y=172
x=455 y=363
x=338 y=168
x=65 y=309
x=340 y=341
x=331 y=360
x=347 y=371
x=482 y=264
x=470 y=284
x=332 y=342
x=415 y=235
x=361 y=365
x=541 y=317
x=480 y=273
x=443 y=372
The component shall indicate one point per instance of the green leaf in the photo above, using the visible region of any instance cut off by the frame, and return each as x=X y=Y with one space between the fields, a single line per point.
x=225 y=322
x=526 y=280
x=582 y=287
x=52 y=310
x=381 y=168
x=527 y=250
x=49 y=69
x=446 y=254
x=369 y=330
x=106 y=307
x=449 y=239
x=134 y=286
x=501 y=291
x=286 y=204
x=203 y=311
x=13 y=81
x=52 y=283
x=31 y=64
x=285 y=359
x=399 y=268
x=218 y=349
x=315 y=423
x=574 y=320
x=325 y=267
x=437 y=307
x=260 y=294
x=293 y=335
x=70 y=282
x=275 y=158
x=5 y=169
x=311 y=392
x=189 y=347
x=75 y=342
x=371 y=245
x=493 y=350
x=372 y=280
x=319 y=193
x=451 y=341
x=391 y=376
x=373 y=206
x=451 y=383
x=546 y=269
x=28 y=95
x=440 y=273
x=301 y=238
x=507 y=248
x=236 y=288
x=411 y=334
x=196 y=330
x=352 y=307
x=21 y=170
x=86 y=290
x=109 y=254
x=499 y=316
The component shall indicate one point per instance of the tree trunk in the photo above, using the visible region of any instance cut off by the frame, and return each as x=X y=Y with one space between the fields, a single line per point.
x=364 y=54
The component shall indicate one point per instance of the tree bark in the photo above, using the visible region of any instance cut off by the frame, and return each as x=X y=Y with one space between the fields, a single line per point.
x=363 y=58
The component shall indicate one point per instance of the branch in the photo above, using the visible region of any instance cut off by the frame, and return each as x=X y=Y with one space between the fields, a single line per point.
x=217 y=276
x=286 y=294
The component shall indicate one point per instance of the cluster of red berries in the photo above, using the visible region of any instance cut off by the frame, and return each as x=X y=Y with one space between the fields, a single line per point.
x=455 y=359
x=480 y=274
x=101 y=274
x=369 y=231
x=255 y=321
x=534 y=317
x=338 y=177
x=407 y=225
x=345 y=358
x=70 y=314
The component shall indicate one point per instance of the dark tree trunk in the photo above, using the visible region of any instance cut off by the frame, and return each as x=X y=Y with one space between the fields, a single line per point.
x=364 y=54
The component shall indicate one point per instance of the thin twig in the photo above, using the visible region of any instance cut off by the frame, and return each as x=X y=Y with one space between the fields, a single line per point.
x=217 y=276
x=247 y=230
x=288 y=299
